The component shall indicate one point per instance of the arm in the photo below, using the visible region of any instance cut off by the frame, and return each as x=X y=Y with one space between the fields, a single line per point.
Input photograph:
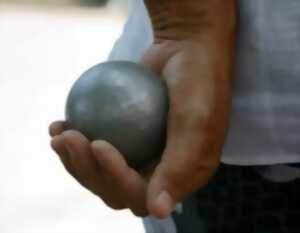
x=194 y=50
x=190 y=19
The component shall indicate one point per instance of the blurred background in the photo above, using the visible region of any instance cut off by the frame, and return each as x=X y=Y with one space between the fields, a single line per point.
x=44 y=46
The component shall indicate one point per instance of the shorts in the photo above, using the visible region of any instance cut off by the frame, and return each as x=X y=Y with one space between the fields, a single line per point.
x=237 y=200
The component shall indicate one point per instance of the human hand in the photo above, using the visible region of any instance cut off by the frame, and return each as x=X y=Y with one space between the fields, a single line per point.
x=196 y=64
x=197 y=123
x=100 y=168
x=193 y=49
x=199 y=84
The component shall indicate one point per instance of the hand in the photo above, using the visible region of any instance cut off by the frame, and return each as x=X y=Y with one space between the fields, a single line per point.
x=197 y=123
x=193 y=51
x=198 y=77
x=100 y=168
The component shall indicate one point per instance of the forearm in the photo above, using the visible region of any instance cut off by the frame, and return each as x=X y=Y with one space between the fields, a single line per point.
x=193 y=50
x=187 y=19
x=209 y=23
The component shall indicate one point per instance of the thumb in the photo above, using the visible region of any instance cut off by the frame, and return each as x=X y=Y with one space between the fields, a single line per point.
x=160 y=196
x=180 y=173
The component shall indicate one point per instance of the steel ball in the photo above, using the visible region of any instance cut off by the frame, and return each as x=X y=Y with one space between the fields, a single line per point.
x=124 y=104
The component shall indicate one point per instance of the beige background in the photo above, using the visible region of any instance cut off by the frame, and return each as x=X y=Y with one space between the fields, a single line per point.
x=42 y=52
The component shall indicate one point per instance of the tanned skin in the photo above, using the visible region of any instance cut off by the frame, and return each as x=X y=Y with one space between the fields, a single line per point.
x=193 y=50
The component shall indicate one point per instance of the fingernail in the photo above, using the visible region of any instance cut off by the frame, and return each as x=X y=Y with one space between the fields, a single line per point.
x=165 y=203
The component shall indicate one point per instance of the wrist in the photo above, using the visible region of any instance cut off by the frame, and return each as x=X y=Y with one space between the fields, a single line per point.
x=190 y=19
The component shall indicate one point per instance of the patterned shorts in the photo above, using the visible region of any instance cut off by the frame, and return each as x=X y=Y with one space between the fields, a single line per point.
x=238 y=200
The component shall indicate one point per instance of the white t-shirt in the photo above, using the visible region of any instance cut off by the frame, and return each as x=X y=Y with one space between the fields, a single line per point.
x=265 y=123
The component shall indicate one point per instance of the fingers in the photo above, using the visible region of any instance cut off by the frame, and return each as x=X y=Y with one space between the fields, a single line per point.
x=56 y=128
x=111 y=161
x=131 y=184
x=74 y=149
x=100 y=168
x=58 y=145
x=78 y=148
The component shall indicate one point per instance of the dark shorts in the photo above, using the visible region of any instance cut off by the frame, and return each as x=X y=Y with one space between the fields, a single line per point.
x=238 y=200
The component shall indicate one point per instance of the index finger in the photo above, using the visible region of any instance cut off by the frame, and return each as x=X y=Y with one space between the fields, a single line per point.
x=56 y=128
